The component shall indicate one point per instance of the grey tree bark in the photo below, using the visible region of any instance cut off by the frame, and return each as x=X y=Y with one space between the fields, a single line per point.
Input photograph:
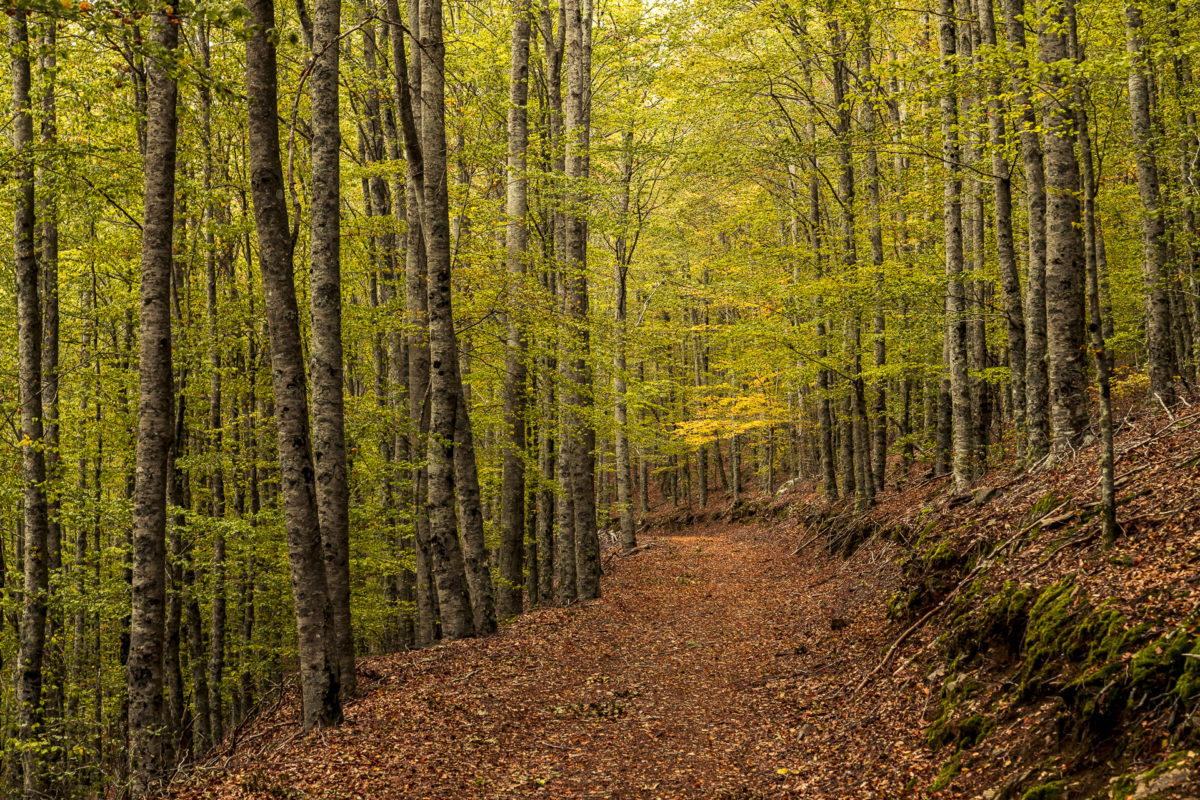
x=144 y=668
x=398 y=445
x=956 y=326
x=35 y=514
x=216 y=637
x=416 y=309
x=476 y=560
x=512 y=492
x=1037 y=387
x=824 y=403
x=47 y=254
x=447 y=558
x=1065 y=344
x=1006 y=256
x=582 y=436
x=623 y=253
x=1160 y=357
x=319 y=686
x=328 y=407
x=875 y=234
x=1094 y=249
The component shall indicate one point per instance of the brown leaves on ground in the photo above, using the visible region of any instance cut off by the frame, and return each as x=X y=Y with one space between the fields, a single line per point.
x=716 y=665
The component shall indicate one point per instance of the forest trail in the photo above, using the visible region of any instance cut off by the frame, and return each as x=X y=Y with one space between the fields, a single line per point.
x=709 y=667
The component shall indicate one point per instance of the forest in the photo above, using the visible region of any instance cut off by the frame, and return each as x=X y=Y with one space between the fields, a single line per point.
x=336 y=331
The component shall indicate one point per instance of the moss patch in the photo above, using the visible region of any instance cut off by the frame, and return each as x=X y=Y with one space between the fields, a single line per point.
x=1054 y=790
x=947 y=774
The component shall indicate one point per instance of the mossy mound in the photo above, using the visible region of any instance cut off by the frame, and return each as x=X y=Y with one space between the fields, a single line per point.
x=1102 y=670
x=929 y=574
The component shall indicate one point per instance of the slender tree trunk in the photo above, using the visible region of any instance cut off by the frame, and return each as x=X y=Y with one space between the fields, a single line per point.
x=1037 y=387
x=319 y=684
x=853 y=468
x=176 y=700
x=328 y=412
x=875 y=233
x=155 y=419
x=35 y=534
x=470 y=514
x=620 y=332
x=545 y=491
x=1006 y=256
x=181 y=498
x=700 y=372
x=956 y=325
x=824 y=402
x=216 y=659
x=449 y=571
x=1159 y=350
x=621 y=422
x=179 y=495
x=582 y=437
x=1094 y=246
x=551 y=500
x=47 y=247
x=976 y=289
x=567 y=577
x=397 y=444
x=408 y=88
x=512 y=500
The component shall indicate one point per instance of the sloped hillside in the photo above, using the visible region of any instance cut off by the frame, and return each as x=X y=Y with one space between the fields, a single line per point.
x=1053 y=668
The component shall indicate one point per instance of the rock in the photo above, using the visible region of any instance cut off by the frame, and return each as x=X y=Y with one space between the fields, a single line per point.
x=983 y=494
x=1160 y=783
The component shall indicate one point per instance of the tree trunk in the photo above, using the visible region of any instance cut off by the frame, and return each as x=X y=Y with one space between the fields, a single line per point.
x=875 y=233
x=956 y=324
x=568 y=590
x=1064 y=245
x=35 y=512
x=581 y=435
x=155 y=419
x=512 y=499
x=47 y=219
x=623 y=255
x=470 y=514
x=319 y=684
x=975 y=290
x=416 y=306
x=1094 y=247
x=1159 y=350
x=449 y=571
x=824 y=402
x=700 y=372
x=216 y=659
x=1006 y=256
x=1037 y=388
x=328 y=412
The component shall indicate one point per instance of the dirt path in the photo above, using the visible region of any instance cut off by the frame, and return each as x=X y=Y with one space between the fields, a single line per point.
x=709 y=669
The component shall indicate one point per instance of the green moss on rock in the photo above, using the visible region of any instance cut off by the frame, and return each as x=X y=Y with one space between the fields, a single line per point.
x=1054 y=790
x=947 y=774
